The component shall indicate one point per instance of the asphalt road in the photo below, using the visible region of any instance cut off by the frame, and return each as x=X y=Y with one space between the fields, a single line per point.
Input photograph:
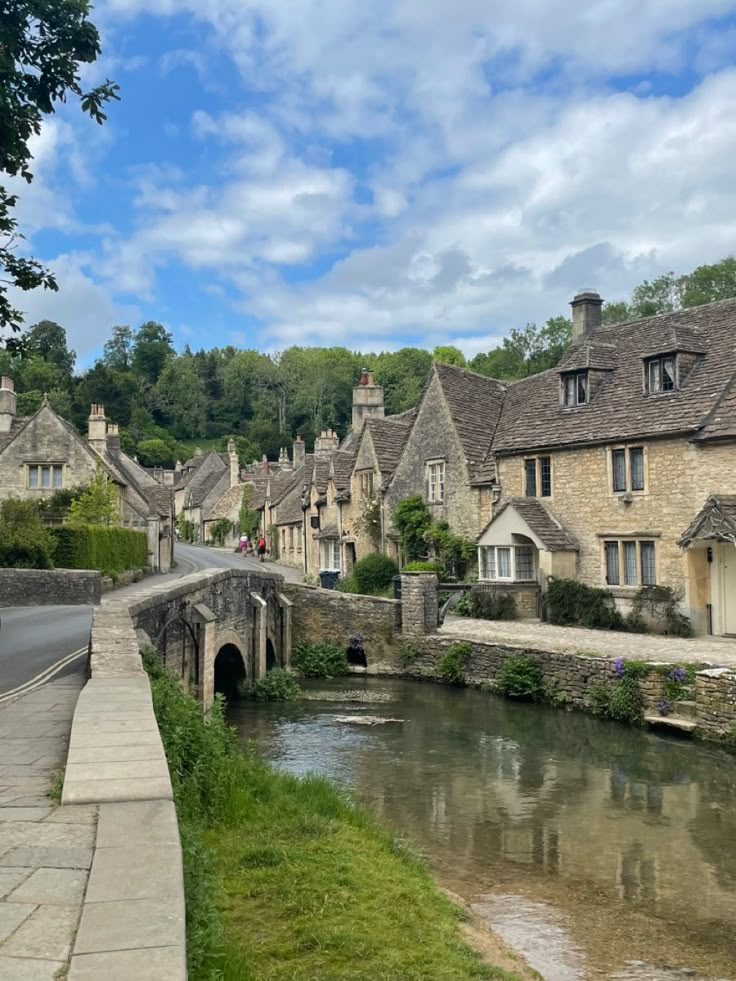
x=36 y=640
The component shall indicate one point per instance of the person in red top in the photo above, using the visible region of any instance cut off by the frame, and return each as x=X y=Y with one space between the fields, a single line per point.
x=261 y=547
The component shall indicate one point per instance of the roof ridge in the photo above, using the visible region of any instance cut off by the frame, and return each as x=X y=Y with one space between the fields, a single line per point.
x=469 y=371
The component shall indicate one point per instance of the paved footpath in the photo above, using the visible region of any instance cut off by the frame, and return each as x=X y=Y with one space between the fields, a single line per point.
x=45 y=850
x=532 y=635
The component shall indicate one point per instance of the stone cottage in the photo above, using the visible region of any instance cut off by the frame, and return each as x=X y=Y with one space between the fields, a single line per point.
x=43 y=453
x=628 y=452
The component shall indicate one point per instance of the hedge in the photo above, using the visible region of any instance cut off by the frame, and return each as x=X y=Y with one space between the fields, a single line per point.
x=112 y=550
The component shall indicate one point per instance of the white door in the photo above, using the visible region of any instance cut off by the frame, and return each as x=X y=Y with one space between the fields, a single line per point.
x=728 y=554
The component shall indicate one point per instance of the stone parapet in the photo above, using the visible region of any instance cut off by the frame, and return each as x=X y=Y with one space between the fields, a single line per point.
x=419 y=603
x=50 y=587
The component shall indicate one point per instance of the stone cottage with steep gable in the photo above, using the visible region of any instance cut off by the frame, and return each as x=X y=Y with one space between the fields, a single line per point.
x=42 y=453
x=628 y=451
x=446 y=454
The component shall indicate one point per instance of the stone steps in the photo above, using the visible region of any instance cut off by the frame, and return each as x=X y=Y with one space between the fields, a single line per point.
x=675 y=722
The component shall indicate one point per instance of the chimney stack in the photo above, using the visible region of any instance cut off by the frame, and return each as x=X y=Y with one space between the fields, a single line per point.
x=264 y=464
x=97 y=428
x=367 y=400
x=232 y=452
x=586 y=314
x=299 y=452
x=326 y=443
x=7 y=404
x=113 y=438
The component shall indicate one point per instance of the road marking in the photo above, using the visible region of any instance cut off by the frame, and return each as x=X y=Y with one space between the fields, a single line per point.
x=43 y=676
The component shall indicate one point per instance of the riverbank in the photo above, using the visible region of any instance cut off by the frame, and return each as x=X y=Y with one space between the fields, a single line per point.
x=287 y=878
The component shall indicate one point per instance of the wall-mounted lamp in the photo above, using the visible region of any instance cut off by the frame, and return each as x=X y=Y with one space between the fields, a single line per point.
x=710 y=554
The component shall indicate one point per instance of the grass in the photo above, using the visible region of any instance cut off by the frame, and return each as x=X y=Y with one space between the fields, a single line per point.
x=56 y=786
x=287 y=879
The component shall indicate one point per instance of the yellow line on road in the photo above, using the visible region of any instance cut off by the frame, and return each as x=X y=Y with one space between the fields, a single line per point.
x=43 y=676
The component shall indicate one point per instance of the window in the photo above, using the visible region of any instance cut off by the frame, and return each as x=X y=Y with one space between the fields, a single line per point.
x=538 y=477
x=506 y=562
x=661 y=374
x=330 y=549
x=575 y=388
x=436 y=482
x=45 y=476
x=627 y=469
x=291 y=537
x=283 y=539
x=530 y=466
x=630 y=562
x=366 y=484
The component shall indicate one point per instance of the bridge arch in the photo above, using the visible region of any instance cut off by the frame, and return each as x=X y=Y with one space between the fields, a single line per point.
x=229 y=670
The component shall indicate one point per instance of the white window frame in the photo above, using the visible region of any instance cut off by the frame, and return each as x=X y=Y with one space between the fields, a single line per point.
x=330 y=559
x=513 y=577
x=621 y=543
x=54 y=470
x=435 y=481
x=570 y=386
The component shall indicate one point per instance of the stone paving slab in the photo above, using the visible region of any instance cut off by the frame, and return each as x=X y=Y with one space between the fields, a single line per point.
x=146 y=964
x=45 y=851
x=529 y=635
x=128 y=925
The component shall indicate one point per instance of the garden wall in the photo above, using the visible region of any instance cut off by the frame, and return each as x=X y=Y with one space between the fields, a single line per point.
x=326 y=615
x=50 y=587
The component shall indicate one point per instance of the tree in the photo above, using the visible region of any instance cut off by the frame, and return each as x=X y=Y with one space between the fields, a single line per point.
x=526 y=352
x=48 y=340
x=97 y=504
x=448 y=354
x=151 y=350
x=118 y=351
x=181 y=397
x=708 y=283
x=24 y=541
x=249 y=520
x=155 y=453
x=42 y=45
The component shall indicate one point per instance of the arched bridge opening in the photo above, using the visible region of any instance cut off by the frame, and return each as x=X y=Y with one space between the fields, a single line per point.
x=229 y=671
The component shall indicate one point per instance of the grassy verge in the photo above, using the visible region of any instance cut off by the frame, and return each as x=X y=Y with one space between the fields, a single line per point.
x=287 y=879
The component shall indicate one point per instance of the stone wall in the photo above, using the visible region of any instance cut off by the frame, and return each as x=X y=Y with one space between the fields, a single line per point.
x=715 y=703
x=326 y=615
x=49 y=587
x=526 y=596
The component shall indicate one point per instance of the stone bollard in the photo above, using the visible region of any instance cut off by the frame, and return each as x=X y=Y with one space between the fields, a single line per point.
x=419 y=604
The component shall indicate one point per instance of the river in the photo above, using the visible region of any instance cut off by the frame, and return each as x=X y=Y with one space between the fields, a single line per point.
x=596 y=850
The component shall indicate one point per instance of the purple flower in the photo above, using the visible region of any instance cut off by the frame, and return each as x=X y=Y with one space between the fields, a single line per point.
x=664 y=706
x=618 y=667
x=678 y=674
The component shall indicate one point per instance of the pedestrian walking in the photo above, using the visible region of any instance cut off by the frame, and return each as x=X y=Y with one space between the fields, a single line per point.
x=261 y=548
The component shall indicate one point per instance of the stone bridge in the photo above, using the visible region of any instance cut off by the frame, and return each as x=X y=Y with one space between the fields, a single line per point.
x=217 y=629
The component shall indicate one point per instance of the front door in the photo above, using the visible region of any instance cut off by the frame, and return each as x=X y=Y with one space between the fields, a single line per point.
x=728 y=557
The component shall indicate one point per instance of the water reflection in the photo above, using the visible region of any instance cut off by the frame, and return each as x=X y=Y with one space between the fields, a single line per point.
x=630 y=837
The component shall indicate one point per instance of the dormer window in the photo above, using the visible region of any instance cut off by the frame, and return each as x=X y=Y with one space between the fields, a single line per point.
x=574 y=388
x=661 y=374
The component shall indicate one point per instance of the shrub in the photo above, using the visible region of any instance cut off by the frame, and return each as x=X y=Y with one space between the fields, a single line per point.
x=455 y=552
x=25 y=543
x=279 y=685
x=452 y=665
x=112 y=550
x=412 y=519
x=319 y=660
x=220 y=531
x=347 y=585
x=374 y=573
x=661 y=604
x=569 y=602
x=626 y=701
x=520 y=676
x=425 y=565
x=408 y=653
x=487 y=605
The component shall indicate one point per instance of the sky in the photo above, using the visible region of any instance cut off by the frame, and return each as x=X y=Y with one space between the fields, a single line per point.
x=399 y=172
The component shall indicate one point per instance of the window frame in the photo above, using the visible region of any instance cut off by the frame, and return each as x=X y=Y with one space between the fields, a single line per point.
x=366 y=484
x=438 y=486
x=540 y=479
x=654 y=374
x=488 y=560
x=572 y=383
x=53 y=469
x=623 y=546
x=627 y=451
x=331 y=546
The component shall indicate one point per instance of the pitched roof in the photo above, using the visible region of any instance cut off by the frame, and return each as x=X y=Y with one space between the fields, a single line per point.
x=716 y=521
x=475 y=404
x=619 y=408
x=226 y=505
x=600 y=356
x=15 y=427
x=546 y=528
x=389 y=436
x=341 y=468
